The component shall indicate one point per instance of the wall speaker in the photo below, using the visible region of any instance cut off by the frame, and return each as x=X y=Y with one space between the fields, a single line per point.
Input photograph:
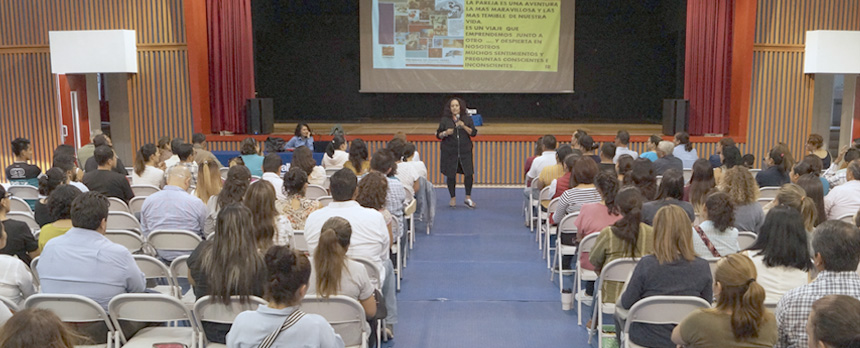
x=675 y=115
x=261 y=119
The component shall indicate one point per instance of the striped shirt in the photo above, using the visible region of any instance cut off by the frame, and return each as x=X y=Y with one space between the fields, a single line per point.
x=573 y=199
x=794 y=307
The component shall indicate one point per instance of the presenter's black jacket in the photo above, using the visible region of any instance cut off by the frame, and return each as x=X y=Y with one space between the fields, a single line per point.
x=456 y=147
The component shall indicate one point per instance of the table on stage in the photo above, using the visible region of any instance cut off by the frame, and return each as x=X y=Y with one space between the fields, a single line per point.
x=287 y=156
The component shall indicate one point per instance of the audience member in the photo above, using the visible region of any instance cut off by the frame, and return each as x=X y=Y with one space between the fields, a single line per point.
x=208 y=181
x=270 y=226
x=652 y=143
x=286 y=284
x=666 y=159
x=716 y=159
x=673 y=270
x=588 y=147
x=816 y=168
x=671 y=192
x=358 y=157
x=574 y=139
x=594 y=217
x=146 y=171
x=250 y=154
x=607 y=154
x=558 y=186
x=53 y=178
x=702 y=183
x=582 y=189
x=371 y=193
x=795 y=196
x=20 y=172
x=553 y=171
x=812 y=187
x=408 y=178
x=16 y=281
x=395 y=198
x=776 y=173
x=20 y=241
x=93 y=164
x=716 y=236
x=844 y=199
x=622 y=146
x=60 y=208
x=335 y=153
x=67 y=164
x=164 y=151
x=815 y=146
x=836 y=246
x=304 y=160
x=731 y=157
x=530 y=160
x=295 y=206
x=302 y=136
x=781 y=253
x=835 y=175
x=684 y=150
x=104 y=180
x=623 y=166
x=201 y=154
x=739 y=318
x=229 y=264
x=38 y=327
x=402 y=136
x=173 y=208
x=789 y=157
x=408 y=168
x=546 y=159
x=186 y=159
x=739 y=184
x=86 y=151
x=271 y=172
x=748 y=160
x=834 y=321
x=238 y=179
x=628 y=237
x=174 y=152
x=642 y=176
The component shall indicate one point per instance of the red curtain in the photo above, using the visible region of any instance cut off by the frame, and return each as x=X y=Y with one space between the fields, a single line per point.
x=231 y=62
x=707 y=82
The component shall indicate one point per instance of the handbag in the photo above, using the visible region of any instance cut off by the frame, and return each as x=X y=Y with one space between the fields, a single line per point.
x=381 y=310
x=707 y=242
x=291 y=320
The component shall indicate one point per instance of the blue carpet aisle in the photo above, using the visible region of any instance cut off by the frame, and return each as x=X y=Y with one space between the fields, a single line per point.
x=478 y=281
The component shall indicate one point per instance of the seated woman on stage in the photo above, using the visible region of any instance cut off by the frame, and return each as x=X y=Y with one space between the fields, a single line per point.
x=302 y=137
x=303 y=159
x=582 y=191
x=642 y=176
x=296 y=207
x=781 y=253
x=335 y=153
x=358 y=158
x=251 y=158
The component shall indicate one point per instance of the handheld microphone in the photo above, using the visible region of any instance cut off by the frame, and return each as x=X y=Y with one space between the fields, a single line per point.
x=456 y=119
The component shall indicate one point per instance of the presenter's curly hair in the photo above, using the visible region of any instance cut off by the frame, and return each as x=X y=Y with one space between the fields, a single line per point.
x=447 y=111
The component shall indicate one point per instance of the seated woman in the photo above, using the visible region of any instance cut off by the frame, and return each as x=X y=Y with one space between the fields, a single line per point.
x=701 y=184
x=303 y=136
x=238 y=179
x=684 y=149
x=228 y=264
x=781 y=253
x=813 y=189
x=335 y=153
x=208 y=181
x=739 y=184
x=371 y=193
x=815 y=168
x=296 y=207
x=251 y=158
x=739 y=318
x=53 y=178
x=594 y=217
x=270 y=226
x=642 y=176
x=718 y=228
x=623 y=166
x=834 y=322
x=303 y=159
x=358 y=158
x=60 y=207
x=776 y=173
x=20 y=241
x=670 y=193
x=651 y=154
x=672 y=270
x=815 y=146
x=795 y=196
x=731 y=157
x=582 y=189
x=17 y=281
x=628 y=237
x=146 y=167
x=38 y=327
x=286 y=283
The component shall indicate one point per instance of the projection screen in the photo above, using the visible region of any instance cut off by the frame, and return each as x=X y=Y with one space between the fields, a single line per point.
x=466 y=46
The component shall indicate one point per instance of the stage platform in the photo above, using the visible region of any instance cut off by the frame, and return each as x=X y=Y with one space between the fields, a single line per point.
x=489 y=128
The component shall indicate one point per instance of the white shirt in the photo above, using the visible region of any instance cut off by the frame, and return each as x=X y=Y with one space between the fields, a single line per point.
x=80 y=186
x=16 y=281
x=688 y=158
x=317 y=176
x=172 y=161
x=408 y=173
x=335 y=162
x=415 y=157
x=277 y=182
x=624 y=151
x=150 y=176
x=842 y=200
x=776 y=281
x=369 y=232
x=547 y=158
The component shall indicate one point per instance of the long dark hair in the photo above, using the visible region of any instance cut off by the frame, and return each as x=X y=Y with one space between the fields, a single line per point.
x=287 y=270
x=447 y=111
x=330 y=256
x=629 y=201
x=732 y=156
x=702 y=182
x=684 y=139
x=814 y=190
x=52 y=179
x=143 y=155
x=782 y=239
x=625 y=164
x=248 y=147
x=335 y=144
x=358 y=154
x=298 y=131
x=607 y=185
x=230 y=259
x=642 y=176
x=778 y=157
x=238 y=179
x=260 y=200
x=672 y=185
x=303 y=159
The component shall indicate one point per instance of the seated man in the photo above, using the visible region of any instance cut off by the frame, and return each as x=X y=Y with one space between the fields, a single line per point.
x=186 y=159
x=666 y=160
x=20 y=172
x=845 y=198
x=271 y=172
x=837 y=251
x=105 y=180
x=201 y=154
x=92 y=164
x=173 y=208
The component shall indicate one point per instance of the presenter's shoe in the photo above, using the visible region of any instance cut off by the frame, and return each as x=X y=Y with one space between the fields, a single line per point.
x=453 y=202
x=469 y=203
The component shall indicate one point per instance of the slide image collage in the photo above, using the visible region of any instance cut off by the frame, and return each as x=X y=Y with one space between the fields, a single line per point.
x=430 y=30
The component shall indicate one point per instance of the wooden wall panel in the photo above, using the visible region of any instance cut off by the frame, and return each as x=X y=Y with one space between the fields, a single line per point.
x=159 y=96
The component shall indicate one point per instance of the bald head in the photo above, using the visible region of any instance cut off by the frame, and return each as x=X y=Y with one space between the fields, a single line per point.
x=180 y=176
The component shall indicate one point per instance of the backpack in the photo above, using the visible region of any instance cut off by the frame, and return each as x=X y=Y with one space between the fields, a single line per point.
x=274 y=144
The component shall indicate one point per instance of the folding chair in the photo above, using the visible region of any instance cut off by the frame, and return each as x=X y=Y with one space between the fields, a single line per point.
x=849 y=218
x=75 y=309
x=315 y=191
x=135 y=205
x=131 y=240
x=565 y=227
x=152 y=268
x=33 y=263
x=223 y=172
x=373 y=274
x=298 y=242
x=549 y=230
x=344 y=314
x=18 y=204
x=179 y=270
x=409 y=221
x=324 y=200
x=542 y=216
x=533 y=207
x=764 y=201
x=659 y=180
x=118 y=220
x=144 y=190
x=117 y=204
x=13 y=307
x=768 y=192
x=688 y=174
x=174 y=240
x=208 y=310
x=582 y=274
x=712 y=263
x=25 y=218
x=746 y=239
x=153 y=308
x=25 y=192
x=618 y=270
x=660 y=310
x=754 y=172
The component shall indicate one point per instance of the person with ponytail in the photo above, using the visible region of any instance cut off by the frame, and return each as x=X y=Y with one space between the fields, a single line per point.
x=588 y=147
x=811 y=185
x=684 y=150
x=776 y=173
x=795 y=196
x=335 y=153
x=271 y=227
x=208 y=180
x=238 y=179
x=623 y=166
x=594 y=217
x=738 y=319
x=229 y=264
x=358 y=156
x=286 y=283
x=834 y=322
x=53 y=178
x=628 y=237
x=781 y=253
x=146 y=167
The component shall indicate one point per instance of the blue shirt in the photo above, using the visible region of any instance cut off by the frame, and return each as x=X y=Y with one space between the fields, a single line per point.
x=254 y=163
x=251 y=327
x=297 y=141
x=84 y=262
x=173 y=209
x=651 y=155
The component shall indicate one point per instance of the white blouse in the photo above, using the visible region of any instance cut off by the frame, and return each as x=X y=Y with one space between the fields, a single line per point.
x=776 y=281
x=335 y=162
x=317 y=176
x=16 y=281
x=150 y=176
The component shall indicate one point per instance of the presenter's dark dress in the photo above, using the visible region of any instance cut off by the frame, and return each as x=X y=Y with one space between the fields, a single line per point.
x=456 y=152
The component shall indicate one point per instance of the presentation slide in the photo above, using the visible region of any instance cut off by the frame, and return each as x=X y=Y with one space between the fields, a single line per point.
x=468 y=46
